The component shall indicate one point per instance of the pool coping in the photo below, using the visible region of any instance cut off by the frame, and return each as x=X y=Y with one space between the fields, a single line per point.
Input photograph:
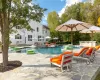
x=96 y=73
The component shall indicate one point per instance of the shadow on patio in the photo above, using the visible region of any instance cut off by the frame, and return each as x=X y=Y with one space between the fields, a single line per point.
x=38 y=65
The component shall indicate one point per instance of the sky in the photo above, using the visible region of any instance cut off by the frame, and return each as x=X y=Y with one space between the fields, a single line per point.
x=55 y=5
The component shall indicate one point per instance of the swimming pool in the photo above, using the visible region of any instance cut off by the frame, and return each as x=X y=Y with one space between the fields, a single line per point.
x=44 y=50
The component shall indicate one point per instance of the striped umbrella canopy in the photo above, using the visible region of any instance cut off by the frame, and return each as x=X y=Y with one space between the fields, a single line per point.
x=94 y=29
x=55 y=38
x=73 y=25
x=91 y=30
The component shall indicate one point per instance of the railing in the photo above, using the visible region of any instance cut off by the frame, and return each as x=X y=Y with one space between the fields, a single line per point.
x=88 y=43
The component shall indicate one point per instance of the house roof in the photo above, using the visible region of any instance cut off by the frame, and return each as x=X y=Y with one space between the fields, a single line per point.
x=45 y=26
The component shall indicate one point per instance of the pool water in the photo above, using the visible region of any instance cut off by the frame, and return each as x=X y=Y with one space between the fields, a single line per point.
x=44 y=50
x=50 y=50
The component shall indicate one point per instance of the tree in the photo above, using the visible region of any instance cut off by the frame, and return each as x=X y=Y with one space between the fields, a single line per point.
x=65 y=35
x=53 y=21
x=77 y=11
x=85 y=12
x=73 y=11
x=96 y=11
x=96 y=2
x=16 y=13
x=64 y=18
x=97 y=37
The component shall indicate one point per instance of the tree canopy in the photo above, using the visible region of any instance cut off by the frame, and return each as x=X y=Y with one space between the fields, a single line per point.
x=53 y=22
x=16 y=13
x=86 y=12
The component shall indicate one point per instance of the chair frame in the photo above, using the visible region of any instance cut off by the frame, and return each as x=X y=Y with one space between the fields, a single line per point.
x=88 y=58
x=67 y=65
x=83 y=52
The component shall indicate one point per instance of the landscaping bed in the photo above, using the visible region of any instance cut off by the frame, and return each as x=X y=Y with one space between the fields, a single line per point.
x=11 y=65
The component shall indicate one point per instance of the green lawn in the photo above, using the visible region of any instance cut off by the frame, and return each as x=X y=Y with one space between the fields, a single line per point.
x=98 y=77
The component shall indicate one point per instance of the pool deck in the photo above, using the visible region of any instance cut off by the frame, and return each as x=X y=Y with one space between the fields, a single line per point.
x=37 y=67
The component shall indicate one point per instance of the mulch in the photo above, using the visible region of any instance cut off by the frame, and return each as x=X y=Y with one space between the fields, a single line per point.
x=11 y=65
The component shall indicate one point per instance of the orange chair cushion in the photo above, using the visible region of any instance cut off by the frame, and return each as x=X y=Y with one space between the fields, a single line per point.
x=97 y=47
x=54 y=58
x=89 y=51
x=56 y=61
x=59 y=61
x=77 y=54
x=58 y=58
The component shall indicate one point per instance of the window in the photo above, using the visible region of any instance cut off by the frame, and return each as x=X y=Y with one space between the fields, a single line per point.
x=18 y=27
x=29 y=37
x=46 y=31
x=37 y=29
x=18 y=36
x=43 y=38
x=39 y=38
x=43 y=31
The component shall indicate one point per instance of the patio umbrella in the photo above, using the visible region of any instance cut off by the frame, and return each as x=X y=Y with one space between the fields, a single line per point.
x=55 y=38
x=48 y=37
x=92 y=29
x=73 y=25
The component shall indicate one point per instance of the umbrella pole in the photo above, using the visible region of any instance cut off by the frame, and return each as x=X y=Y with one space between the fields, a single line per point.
x=92 y=39
x=71 y=36
x=92 y=36
x=72 y=39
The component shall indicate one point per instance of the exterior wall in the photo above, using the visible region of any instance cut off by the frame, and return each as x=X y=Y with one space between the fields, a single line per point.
x=17 y=41
x=46 y=33
x=42 y=31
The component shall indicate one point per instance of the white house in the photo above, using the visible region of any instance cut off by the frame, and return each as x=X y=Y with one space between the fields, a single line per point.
x=37 y=36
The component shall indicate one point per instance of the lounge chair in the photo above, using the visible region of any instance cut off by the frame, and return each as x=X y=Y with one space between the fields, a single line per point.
x=97 y=47
x=83 y=50
x=50 y=44
x=47 y=44
x=88 y=55
x=63 y=60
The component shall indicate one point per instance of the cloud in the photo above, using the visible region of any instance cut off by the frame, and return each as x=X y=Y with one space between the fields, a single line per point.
x=62 y=11
x=62 y=0
x=68 y=3
x=44 y=19
x=44 y=22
